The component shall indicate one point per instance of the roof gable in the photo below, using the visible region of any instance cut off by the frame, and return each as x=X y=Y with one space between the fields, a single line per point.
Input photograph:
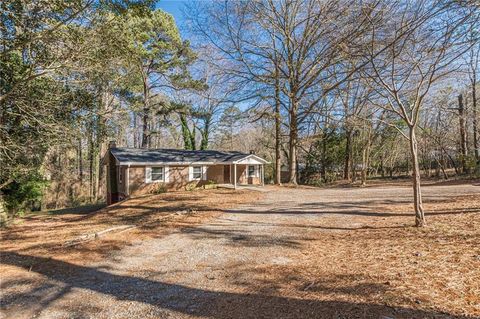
x=251 y=159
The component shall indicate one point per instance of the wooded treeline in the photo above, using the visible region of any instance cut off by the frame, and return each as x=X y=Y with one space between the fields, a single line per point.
x=325 y=90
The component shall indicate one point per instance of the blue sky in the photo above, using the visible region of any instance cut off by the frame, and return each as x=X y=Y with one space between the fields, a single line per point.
x=173 y=7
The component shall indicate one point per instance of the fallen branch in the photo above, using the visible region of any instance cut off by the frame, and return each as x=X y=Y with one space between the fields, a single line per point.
x=90 y=237
x=309 y=286
x=118 y=229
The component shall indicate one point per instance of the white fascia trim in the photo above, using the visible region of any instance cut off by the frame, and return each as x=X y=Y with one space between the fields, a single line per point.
x=169 y=163
x=258 y=158
x=192 y=163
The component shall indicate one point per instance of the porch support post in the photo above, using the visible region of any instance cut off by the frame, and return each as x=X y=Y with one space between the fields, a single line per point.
x=234 y=176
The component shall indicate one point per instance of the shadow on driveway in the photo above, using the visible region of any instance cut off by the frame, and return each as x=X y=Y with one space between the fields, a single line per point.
x=189 y=300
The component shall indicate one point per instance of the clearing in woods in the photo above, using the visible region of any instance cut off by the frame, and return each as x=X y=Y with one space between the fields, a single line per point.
x=283 y=253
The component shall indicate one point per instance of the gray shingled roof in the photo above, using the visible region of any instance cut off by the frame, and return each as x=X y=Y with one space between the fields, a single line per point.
x=138 y=155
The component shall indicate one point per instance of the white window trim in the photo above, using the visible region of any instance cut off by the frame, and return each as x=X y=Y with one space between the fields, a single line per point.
x=148 y=175
x=202 y=177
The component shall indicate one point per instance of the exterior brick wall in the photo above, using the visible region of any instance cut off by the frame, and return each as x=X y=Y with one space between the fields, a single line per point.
x=216 y=173
x=178 y=179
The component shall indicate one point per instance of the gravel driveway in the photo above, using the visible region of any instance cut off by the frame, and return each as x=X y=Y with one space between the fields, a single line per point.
x=211 y=270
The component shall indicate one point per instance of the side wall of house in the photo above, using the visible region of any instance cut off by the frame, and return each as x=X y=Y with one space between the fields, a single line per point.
x=112 y=180
x=121 y=180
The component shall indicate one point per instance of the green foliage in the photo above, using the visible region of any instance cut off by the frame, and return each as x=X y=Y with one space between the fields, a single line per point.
x=55 y=71
x=187 y=133
x=122 y=6
x=324 y=157
x=191 y=186
x=23 y=190
x=33 y=117
x=471 y=164
x=160 y=189
x=205 y=133
x=154 y=46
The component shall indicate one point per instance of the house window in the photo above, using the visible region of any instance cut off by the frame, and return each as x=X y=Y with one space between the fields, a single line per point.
x=158 y=174
x=197 y=172
x=251 y=171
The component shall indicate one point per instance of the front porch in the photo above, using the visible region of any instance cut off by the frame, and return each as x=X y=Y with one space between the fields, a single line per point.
x=247 y=171
x=244 y=174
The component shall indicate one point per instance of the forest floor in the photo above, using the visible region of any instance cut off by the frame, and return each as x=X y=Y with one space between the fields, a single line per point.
x=285 y=253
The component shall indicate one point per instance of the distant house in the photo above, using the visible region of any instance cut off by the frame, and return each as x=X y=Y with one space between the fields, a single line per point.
x=133 y=171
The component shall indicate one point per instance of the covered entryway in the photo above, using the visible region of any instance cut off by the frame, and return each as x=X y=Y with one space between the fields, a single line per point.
x=247 y=171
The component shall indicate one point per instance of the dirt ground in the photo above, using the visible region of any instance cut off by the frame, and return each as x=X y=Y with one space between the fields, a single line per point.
x=283 y=253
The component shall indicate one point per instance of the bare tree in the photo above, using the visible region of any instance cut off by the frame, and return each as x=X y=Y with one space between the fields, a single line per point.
x=423 y=54
x=463 y=134
x=290 y=46
x=473 y=70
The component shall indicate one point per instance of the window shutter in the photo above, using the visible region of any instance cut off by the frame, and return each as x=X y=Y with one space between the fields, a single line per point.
x=204 y=173
x=148 y=174
x=190 y=173
x=166 y=172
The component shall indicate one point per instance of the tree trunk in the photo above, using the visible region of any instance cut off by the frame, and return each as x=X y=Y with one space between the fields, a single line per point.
x=463 y=135
x=100 y=146
x=146 y=114
x=192 y=138
x=417 y=194
x=96 y=184
x=91 y=156
x=80 y=162
x=205 y=134
x=365 y=159
x=278 y=118
x=475 y=124
x=293 y=143
x=382 y=167
x=441 y=167
x=353 y=163
x=324 y=156
x=145 y=134
x=347 y=170
x=99 y=170
x=188 y=136
x=278 y=136
x=452 y=161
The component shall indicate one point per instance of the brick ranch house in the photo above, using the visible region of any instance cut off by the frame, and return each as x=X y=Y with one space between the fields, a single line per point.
x=133 y=171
